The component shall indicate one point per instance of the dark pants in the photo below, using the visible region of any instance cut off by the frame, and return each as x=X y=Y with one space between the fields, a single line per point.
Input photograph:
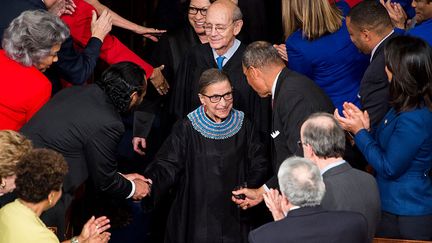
x=405 y=227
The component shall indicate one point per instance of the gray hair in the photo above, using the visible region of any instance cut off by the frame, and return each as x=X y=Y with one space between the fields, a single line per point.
x=259 y=54
x=301 y=182
x=324 y=134
x=30 y=36
x=211 y=76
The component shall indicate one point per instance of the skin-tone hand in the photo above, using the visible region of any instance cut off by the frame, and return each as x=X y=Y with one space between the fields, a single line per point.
x=61 y=7
x=354 y=119
x=282 y=51
x=396 y=12
x=253 y=197
x=102 y=238
x=93 y=228
x=121 y=22
x=101 y=26
x=159 y=81
x=150 y=33
x=273 y=201
x=142 y=189
x=135 y=176
x=139 y=144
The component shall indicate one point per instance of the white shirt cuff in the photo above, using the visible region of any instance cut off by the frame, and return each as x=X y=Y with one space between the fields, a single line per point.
x=266 y=189
x=132 y=191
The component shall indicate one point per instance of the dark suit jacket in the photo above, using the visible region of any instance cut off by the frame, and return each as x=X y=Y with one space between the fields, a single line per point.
x=350 y=189
x=296 y=97
x=313 y=225
x=374 y=86
x=82 y=124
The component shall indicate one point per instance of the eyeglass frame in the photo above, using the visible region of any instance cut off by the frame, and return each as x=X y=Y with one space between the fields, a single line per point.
x=219 y=29
x=300 y=144
x=219 y=97
x=203 y=11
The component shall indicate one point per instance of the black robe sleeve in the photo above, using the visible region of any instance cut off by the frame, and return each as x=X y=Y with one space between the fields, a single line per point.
x=168 y=164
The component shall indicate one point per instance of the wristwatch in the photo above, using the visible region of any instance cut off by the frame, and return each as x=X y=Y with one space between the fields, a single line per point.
x=74 y=240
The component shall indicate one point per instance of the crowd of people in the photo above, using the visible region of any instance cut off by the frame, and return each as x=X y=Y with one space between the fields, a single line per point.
x=325 y=136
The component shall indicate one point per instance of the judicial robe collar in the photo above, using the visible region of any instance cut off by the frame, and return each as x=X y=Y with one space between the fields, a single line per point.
x=210 y=129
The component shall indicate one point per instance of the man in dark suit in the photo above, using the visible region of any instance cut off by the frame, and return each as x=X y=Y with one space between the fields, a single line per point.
x=294 y=98
x=323 y=142
x=302 y=188
x=370 y=28
x=84 y=124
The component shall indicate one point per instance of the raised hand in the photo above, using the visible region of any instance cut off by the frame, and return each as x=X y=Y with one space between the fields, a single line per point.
x=273 y=200
x=159 y=81
x=101 y=26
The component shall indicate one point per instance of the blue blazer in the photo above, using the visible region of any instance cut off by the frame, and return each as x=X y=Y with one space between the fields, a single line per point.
x=332 y=61
x=401 y=154
x=423 y=31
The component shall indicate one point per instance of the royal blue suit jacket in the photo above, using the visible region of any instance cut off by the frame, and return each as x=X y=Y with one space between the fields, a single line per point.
x=423 y=31
x=332 y=61
x=401 y=154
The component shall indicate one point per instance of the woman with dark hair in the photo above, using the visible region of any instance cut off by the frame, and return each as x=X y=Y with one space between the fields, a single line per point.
x=400 y=150
x=30 y=45
x=40 y=175
x=209 y=153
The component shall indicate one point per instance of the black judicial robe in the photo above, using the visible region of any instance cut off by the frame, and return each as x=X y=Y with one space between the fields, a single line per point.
x=185 y=92
x=205 y=171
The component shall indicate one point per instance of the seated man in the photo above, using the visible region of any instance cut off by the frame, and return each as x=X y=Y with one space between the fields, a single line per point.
x=323 y=142
x=84 y=124
x=302 y=190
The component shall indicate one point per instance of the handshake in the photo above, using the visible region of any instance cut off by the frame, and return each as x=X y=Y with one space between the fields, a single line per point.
x=142 y=185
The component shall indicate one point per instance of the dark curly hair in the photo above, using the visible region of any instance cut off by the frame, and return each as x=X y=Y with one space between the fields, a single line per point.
x=120 y=80
x=38 y=173
x=409 y=59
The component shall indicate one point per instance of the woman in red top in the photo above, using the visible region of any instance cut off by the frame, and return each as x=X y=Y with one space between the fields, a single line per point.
x=30 y=45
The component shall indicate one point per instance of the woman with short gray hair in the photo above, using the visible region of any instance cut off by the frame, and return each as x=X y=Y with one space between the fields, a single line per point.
x=30 y=45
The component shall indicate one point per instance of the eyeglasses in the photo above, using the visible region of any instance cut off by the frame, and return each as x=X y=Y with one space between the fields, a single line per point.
x=300 y=144
x=194 y=11
x=219 y=28
x=217 y=98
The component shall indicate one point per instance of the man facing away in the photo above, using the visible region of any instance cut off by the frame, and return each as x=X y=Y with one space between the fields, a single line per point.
x=294 y=98
x=302 y=189
x=323 y=142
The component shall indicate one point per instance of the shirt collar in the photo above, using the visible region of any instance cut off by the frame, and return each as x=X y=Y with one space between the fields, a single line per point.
x=379 y=43
x=273 y=90
x=332 y=165
x=229 y=53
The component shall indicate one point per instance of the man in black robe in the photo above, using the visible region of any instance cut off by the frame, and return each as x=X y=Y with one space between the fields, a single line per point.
x=223 y=23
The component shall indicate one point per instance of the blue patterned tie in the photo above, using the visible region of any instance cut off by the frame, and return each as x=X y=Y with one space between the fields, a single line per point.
x=219 y=61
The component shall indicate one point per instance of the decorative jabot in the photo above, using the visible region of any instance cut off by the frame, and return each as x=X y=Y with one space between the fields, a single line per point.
x=210 y=129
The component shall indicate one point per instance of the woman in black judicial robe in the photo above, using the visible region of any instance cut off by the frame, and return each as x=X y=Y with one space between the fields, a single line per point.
x=208 y=153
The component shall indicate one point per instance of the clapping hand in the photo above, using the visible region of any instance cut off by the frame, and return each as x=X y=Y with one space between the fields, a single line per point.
x=273 y=200
x=354 y=119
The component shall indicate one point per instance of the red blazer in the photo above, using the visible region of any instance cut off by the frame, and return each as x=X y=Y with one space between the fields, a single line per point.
x=23 y=91
x=112 y=50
